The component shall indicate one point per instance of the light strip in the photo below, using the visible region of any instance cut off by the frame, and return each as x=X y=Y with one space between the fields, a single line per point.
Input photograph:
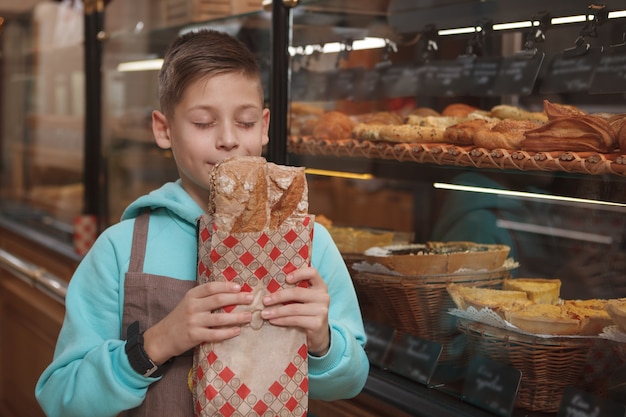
x=513 y=25
x=144 y=65
x=340 y=174
x=334 y=47
x=523 y=194
x=554 y=231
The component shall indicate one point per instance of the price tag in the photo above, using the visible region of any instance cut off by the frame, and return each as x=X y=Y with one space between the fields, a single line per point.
x=398 y=81
x=444 y=78
x=379 y=338
x=491 y=386
x=610 y=74
x=484 y=74
x=570 y=74
x=414 y=358
x=577 y=403
x=518 y=74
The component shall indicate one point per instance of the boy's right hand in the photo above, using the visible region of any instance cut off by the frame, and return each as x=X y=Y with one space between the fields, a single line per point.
x=193 y=322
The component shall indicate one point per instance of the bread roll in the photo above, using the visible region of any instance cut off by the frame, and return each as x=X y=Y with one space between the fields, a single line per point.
x=333 y=125
x=504 y=111
x=458 y=110
x=248 y=194
x=381 y=118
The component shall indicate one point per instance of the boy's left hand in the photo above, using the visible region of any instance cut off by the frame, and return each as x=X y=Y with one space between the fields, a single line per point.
x=306 y=308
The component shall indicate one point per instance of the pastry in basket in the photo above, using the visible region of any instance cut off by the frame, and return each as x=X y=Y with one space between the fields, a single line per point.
x=544 y=319
x=333 y=125
x=434 y=258
x=538 y=290
x=500 y=301
x=592 y=315
x=617 y=311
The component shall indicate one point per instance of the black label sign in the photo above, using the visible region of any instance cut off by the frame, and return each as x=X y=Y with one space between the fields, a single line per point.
x=570 y=74
x=577 y=403
x=610 y=74
x=518 y=74
x=415 y=358
x=398 y=81
x=444 y=78
x=367 y=86
x=491 y=386
x=484 y=74
x=341 y=83
x=379 y=338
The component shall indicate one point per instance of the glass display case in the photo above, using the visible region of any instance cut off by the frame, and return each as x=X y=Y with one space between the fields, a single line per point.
x=43 y=112
x=560 y=213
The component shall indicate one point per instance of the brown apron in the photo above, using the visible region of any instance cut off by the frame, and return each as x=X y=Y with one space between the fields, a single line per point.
x=148 y=298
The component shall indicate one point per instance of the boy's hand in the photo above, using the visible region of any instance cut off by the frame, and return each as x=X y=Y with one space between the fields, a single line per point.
x=306 y=308
x=192 y=321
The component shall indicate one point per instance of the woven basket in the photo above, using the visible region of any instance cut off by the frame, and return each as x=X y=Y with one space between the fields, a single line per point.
x=548 y=364
x=418 y=305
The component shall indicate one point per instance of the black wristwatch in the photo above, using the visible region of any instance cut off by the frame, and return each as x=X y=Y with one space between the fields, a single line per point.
x=137 y=356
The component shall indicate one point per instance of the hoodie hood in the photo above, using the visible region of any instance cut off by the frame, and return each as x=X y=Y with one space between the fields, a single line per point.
x=170 y=196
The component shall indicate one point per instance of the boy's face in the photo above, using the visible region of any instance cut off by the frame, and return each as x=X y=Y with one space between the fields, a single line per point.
x=217 y=117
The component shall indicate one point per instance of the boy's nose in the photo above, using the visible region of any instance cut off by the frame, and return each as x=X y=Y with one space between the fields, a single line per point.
x=227 y=138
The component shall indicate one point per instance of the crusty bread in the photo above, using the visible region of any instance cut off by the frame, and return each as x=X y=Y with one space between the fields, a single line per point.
x=505 y=111
x=248 y=194
x=538 y=290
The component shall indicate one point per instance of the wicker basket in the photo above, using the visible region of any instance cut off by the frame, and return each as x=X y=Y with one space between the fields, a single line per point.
x=418 y=305
x=548 y=364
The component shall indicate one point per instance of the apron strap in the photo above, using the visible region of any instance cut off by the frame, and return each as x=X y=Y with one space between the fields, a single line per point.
x=140 y=237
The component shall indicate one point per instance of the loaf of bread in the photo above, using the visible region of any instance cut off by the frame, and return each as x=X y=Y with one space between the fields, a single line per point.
x=249 y=194
x=333 y=125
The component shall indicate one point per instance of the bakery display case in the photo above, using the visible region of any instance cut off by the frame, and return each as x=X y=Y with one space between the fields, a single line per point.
x=370 y=98
x=471 y=122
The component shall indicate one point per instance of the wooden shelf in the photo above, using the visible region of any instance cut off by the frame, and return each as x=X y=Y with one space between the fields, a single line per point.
x=590 y=163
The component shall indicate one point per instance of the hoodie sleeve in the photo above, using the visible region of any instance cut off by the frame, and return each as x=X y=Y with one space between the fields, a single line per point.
x=90 y=366
x=342 y=371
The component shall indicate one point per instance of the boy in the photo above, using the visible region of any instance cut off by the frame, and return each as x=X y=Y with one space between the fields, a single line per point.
x=144 y=268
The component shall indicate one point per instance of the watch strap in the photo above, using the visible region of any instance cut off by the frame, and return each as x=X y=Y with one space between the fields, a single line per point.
x=137 y=356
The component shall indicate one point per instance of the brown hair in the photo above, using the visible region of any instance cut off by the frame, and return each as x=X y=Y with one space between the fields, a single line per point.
x=201 y=54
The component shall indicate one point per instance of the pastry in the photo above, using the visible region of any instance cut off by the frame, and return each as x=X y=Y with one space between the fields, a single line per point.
x=504 y=111
x=571 y=133
x=381 y=118
x=423 y=112
x=592 y=315
x=411 y=133
x=538 y=290
x=500 y=301
x=544 y=319
x=505 y=134
x=458 y=110
x=333 y=125
x=617 y=311
x=466 y=132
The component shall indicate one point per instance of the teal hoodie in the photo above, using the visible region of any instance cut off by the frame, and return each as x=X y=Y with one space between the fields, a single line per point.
x=90 y=373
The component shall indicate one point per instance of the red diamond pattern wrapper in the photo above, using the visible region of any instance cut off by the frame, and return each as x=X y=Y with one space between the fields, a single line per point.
x=264 y=370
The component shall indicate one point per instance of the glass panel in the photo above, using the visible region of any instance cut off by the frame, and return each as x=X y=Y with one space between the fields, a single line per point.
x=140 y=33
x=42 y=117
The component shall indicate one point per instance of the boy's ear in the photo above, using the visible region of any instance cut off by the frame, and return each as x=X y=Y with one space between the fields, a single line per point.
x=160 y=130
x=266 y=127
